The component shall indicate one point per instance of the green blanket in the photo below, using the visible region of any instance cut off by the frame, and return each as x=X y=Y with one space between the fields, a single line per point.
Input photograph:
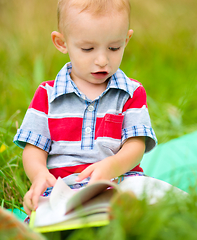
x=174 y=162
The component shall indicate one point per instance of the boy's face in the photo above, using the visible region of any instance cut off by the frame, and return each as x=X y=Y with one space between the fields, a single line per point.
x=95 y=44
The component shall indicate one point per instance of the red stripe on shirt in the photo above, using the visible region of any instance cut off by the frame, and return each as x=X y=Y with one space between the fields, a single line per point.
x=138 y=100
x=65 y=129
x=137 y=169
x=40 y=100
x=66 y=171
x=109 y=126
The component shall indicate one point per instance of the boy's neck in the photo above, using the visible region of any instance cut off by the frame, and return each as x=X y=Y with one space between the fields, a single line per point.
x=92 y=91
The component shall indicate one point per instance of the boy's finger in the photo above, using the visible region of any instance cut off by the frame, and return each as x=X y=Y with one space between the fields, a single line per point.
x=84 y=174
x=52 y=181
x=95 y=177
x=27 y=203
x=35 y=199
x=27 y=210
x=37 y=192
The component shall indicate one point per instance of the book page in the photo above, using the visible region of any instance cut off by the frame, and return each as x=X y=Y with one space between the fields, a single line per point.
x=59 y=196
x=94 y=220
x=89 y=192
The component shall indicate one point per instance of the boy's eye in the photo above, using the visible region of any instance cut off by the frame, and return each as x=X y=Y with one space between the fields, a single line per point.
x=114 y=49
x=87 y=49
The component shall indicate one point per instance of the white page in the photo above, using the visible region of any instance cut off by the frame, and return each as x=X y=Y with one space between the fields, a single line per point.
x=59 y=196
x=51 y=209
x=46 y=216
x=88 y=192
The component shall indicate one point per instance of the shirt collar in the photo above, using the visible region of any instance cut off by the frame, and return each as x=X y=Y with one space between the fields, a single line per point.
x=64 y=84
x=119 y=80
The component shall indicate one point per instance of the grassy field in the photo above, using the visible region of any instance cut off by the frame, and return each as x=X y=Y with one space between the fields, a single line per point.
x=161 y=55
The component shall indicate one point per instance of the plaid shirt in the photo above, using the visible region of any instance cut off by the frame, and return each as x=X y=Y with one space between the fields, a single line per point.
x=77 y=131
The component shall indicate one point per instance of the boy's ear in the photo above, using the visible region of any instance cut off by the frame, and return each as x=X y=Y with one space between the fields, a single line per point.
x=59 y=41
x=129 y=35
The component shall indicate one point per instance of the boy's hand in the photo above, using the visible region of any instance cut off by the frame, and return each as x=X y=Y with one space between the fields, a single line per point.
x=39 y=185
x=103 y=170
x=127 y=158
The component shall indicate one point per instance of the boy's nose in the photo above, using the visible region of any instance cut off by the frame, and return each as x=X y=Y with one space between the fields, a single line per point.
x=101 y=60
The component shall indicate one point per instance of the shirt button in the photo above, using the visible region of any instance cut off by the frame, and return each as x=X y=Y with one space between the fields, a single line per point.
x=88 y=130
x=91 y=108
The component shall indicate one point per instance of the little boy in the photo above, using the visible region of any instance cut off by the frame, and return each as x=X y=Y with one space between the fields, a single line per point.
x=92 y=122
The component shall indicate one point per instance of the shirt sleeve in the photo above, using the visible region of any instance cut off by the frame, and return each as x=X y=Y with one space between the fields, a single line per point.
x=137 y=120
x=34 y=128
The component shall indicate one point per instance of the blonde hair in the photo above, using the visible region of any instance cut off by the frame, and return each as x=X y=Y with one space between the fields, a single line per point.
x=96 y=7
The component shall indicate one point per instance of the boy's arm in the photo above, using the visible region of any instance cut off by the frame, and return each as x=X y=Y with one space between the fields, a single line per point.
x=127 y=158
x=34 y=162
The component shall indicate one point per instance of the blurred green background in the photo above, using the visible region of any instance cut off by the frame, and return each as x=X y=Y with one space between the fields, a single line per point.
x=161 y=55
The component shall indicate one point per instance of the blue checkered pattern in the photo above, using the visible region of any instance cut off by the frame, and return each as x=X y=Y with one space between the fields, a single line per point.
x=35 y=139
x=87 y=141
x=136 y=131
x=64 y=84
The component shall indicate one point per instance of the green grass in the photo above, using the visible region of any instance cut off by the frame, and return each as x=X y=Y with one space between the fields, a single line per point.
x=14 y=183
x=161 y=55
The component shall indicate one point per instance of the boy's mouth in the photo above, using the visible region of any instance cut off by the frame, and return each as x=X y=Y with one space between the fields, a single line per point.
x=100 y=75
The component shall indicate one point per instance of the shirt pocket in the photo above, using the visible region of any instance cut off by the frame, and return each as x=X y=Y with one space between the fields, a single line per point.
x=113 y=126
x=110 y=130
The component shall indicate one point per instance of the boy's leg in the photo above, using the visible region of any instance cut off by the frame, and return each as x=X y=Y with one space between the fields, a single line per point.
x=129 y=174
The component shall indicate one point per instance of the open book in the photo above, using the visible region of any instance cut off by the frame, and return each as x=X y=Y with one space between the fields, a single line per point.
x=66 y=208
